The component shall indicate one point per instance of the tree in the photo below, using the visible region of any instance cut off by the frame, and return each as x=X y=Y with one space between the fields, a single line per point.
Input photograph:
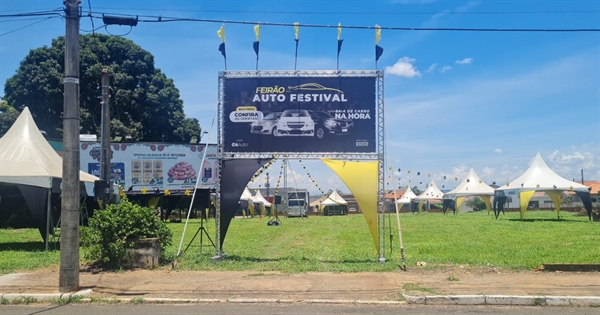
x=476 y=203
x=416 y=190
x=566 y=200
x=8 y=115
x=145 y=104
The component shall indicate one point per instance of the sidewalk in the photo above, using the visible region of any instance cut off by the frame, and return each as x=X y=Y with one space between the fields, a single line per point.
x=415 y=286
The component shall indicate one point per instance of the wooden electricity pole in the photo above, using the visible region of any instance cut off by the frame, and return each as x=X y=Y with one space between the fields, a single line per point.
x=69 y=240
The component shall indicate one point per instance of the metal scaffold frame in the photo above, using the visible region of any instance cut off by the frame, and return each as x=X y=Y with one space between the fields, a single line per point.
x=378 y=155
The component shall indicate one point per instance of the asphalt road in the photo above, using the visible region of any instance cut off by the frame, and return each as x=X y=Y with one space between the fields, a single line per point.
x=269 y=309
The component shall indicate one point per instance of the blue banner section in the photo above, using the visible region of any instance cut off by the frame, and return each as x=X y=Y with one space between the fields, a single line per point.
x=117 y=172
x=303 y=114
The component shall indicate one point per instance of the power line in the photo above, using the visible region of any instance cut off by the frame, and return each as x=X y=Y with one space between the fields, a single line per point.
x=31 y=14
x=161 y=19
x=366 y=13
x=28 y=25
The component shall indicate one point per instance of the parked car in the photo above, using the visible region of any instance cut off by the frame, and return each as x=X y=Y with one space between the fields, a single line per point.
x=325 y=124
x=295 y=122
x=267 y=125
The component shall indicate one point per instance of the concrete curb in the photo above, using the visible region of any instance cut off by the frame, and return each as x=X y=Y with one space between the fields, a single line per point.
x=589 y=301
x=11 y=297
x=503 y=300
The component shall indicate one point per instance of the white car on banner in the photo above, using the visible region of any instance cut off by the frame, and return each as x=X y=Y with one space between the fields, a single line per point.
x=295 y=122
x=154 y=165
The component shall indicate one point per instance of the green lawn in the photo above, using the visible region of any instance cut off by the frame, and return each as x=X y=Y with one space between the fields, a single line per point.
x=343 y=244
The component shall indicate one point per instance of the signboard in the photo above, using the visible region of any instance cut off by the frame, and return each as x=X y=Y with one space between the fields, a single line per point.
x=154 y=165
x=300 y=114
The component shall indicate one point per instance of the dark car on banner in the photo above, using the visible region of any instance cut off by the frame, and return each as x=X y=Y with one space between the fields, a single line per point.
x=265 y=126
x=325 y=124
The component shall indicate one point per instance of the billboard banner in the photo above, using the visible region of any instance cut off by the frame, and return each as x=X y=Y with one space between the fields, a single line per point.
x=300 y=114
x=154 y=165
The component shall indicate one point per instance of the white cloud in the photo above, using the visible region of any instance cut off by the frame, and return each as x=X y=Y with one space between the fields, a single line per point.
x=432 y=67
x=498 y=151
x=404 y=68
x=487 y=172
x=445 y=68
x=559 y=158
x=465 y=61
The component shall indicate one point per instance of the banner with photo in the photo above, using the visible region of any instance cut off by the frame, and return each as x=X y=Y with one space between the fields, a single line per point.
x=154 y=165
x=300 y=114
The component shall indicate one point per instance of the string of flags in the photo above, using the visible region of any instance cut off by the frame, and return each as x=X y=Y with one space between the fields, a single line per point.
x=281 y=169
x=262 y=169
x=256 y=44
x=312 y=179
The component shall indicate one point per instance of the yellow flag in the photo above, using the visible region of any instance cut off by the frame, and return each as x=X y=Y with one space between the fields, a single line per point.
x=221 y=32
x=257 y=31
x=297 y=30
x=377 y=34
x=339 y=31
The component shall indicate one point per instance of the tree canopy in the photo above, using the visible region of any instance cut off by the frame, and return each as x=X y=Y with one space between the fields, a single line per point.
x=8 y=115
x=144 y=103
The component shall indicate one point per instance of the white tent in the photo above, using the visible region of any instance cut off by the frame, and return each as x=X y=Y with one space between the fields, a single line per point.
x=246 y=195
x=258 y=197
x=432 y=192
x=334 y=199
x=334 y=204
x=539 y=177
x=28 y=161
x=472 y=185
x=27 y=158
x=408 y=196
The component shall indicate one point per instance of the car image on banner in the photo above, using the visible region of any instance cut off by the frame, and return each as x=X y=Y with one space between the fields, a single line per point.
x=299 y=114
x=295 y=122
x=267 y=125
x=326 y=125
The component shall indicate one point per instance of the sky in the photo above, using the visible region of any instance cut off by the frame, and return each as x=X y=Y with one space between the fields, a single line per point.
x=453 y=100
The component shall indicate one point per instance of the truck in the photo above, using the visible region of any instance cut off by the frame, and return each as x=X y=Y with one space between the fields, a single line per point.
x=295 y=203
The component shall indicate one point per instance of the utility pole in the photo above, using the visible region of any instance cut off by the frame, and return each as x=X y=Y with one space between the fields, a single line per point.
x=285 y=165
x=267 y=184
x=582 y=177
x=105 y=132
x=68 y=278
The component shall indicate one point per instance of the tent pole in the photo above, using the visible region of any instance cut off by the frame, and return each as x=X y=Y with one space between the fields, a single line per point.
x=48 y=206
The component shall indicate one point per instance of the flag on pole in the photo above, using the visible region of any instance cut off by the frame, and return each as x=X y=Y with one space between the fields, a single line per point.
x=256 y=44
x=339 y=47
x=378 y=49
x=221 y=33
x=297 y=33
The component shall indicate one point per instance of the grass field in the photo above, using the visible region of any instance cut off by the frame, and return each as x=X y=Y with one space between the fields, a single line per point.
x=343 y=244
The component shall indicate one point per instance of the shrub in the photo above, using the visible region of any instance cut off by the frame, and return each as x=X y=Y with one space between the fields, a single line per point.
x=112 y=230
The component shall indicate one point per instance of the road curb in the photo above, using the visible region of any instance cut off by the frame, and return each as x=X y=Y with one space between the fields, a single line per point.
x=496 y=300
x=527 y=300
x=33 y=297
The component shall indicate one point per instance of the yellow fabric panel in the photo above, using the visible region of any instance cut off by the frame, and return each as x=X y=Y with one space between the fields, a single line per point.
x=459 y=201
x=420 y=206
x=153 y=202
x=251 y=208
x=556 y=197
x=321 y=209
x=524 y=198
x=361 y=178
x=488 y=202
